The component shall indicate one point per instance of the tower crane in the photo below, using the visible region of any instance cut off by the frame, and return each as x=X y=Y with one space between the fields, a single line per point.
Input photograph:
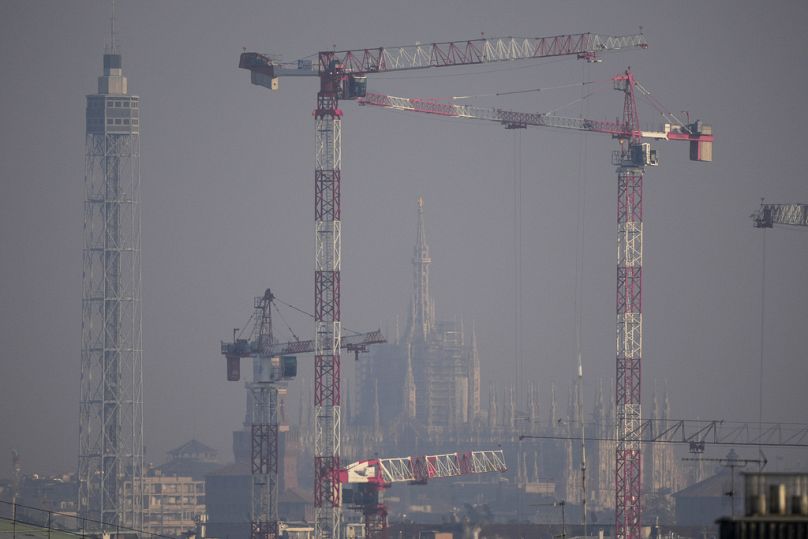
x=273 y=366
x=368 y=478
x=343 y=76
x=631 y=159
x=769 y=215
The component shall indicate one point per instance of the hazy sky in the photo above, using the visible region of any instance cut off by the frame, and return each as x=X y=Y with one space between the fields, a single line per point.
x=227 y=200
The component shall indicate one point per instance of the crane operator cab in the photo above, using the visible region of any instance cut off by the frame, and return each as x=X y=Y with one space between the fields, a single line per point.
x=643 y=155
x=639 y=155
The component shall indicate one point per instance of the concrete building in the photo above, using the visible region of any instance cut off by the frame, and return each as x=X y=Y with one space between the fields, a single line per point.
x=776 y=505
x=174 y=493
x=172 y=505
x=702 y=503
x=191 y=459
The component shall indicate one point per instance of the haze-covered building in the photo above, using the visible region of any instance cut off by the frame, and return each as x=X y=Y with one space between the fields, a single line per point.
x=435 y=359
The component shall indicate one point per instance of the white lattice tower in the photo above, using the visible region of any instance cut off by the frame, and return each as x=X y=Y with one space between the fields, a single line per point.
x=110 y=467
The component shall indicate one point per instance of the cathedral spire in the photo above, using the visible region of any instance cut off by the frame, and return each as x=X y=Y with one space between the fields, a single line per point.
x=421 y=316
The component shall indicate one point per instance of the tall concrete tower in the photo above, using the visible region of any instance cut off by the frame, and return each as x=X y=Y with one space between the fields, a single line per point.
x=110 y=467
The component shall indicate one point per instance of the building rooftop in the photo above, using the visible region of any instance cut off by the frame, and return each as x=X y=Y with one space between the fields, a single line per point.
x=194 y=450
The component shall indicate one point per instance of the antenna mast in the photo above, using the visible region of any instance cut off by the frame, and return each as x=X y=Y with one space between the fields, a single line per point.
x=113 y=47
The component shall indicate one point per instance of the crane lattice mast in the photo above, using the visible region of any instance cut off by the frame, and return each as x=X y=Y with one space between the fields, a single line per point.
x=630 y=172
x=343 y=76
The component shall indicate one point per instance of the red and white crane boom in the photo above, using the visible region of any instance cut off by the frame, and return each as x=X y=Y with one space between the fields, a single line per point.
x=421 y=469
x=516 y=120
x=370 y=477
x=342 y=76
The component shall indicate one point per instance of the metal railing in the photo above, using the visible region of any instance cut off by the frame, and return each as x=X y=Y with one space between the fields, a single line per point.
x=23 y=517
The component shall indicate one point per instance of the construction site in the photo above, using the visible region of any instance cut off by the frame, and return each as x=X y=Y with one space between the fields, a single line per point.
x=359 y=415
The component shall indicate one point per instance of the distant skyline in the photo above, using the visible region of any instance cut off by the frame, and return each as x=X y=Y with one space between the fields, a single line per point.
x=227 y=191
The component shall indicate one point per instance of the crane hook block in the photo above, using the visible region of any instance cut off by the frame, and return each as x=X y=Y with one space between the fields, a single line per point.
x=233 y=368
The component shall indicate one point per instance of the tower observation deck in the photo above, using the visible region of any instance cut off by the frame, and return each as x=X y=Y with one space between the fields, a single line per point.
x=110 y=467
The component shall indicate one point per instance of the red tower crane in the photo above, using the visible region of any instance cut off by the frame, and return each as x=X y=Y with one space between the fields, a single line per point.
x=273 y=367
x=343 y=76
x=631 y=159
x=370 y=477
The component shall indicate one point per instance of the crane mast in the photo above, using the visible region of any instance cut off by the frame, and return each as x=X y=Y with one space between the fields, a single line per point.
x=343 y=76
x=630 y=172
x=270 y=374
x=327 y=331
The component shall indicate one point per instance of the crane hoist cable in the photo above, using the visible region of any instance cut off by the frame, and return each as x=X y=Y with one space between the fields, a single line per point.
x=298 y=309
x=579 y=284
x=296 y=338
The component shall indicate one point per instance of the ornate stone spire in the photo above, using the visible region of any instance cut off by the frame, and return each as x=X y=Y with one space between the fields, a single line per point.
x=420 y=321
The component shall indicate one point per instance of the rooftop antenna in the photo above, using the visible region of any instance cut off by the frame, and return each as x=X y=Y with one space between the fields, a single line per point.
x=113 y=47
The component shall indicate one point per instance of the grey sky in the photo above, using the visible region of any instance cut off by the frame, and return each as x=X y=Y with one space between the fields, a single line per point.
x=227 y=200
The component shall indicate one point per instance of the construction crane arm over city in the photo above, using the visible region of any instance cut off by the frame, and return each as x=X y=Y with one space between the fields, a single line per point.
x=769 y=215
x=246 y=348
x=451 y=53
x=342 y=76
x=370 y=477
x=697 y=133
x=384 y=471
